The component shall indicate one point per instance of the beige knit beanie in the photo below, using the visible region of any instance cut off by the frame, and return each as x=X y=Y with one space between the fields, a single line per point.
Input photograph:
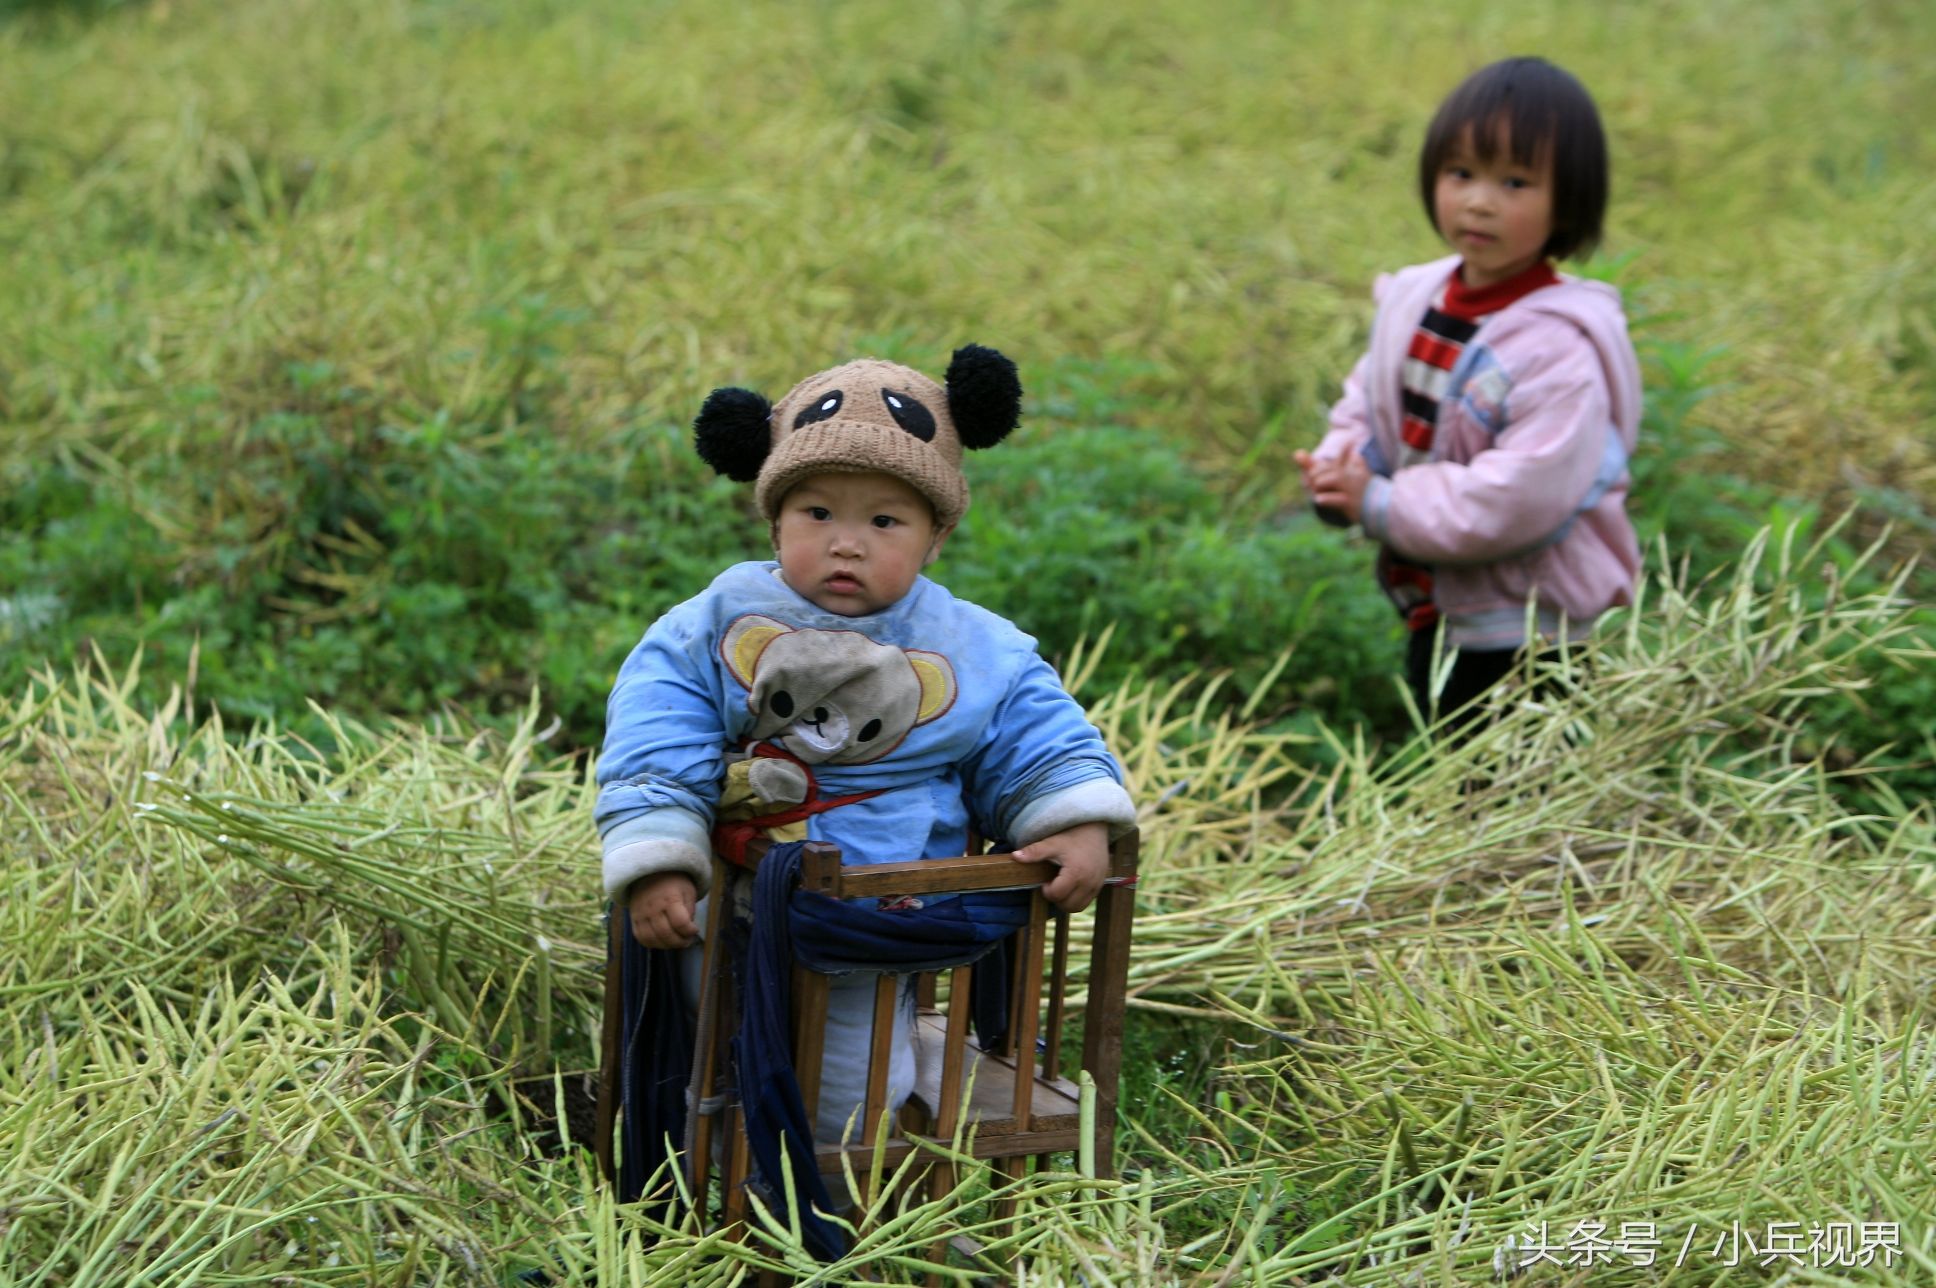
x=861 y=417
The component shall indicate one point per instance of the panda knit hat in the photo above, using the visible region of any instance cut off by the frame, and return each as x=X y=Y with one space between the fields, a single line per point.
x=866 y=416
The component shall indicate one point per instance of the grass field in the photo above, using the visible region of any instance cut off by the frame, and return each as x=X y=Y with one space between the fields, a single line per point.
x=344 y=354
x=200 y=197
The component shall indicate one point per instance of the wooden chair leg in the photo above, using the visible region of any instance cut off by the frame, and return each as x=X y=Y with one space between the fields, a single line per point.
x=1009 y=1169
x=947 y=1114
x=1023 y=1018
x=610 y=1036
x=713 y=1036
x=1102 y=1026
x=954 y=1051
x=880 y=1061
x=735 y=1160
x=1058 y=993
x=1024 y=1021
x=732 y=1172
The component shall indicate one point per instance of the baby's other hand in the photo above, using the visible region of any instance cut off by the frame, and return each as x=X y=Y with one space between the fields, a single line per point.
x=1082 y=852
x=661 y=908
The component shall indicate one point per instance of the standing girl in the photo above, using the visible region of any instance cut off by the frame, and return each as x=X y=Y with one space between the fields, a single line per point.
x=1483 y=437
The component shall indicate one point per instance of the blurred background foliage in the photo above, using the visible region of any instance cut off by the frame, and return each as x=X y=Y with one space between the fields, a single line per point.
x=347 y=349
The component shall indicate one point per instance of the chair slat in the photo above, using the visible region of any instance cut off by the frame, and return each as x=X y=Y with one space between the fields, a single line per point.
x=1058 y=994
x=954 y=1051
x=880 y=1054
x=1024 y=1021
x=970 y=872
x=812 y=1029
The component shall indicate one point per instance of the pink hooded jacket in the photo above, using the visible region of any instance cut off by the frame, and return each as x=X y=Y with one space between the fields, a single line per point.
x=1525 y=494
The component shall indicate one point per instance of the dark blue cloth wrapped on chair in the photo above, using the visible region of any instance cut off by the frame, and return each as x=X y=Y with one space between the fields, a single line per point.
x=823 y=934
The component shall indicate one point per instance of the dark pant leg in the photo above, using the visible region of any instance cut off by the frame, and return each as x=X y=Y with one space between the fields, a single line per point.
x=1473 y=672
x=655 y=1063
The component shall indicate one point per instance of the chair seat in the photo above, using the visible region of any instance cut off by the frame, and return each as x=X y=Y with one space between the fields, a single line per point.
x=988 y=1082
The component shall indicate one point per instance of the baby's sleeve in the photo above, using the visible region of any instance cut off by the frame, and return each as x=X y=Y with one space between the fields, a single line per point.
x=660 y=771
x=1040 y=767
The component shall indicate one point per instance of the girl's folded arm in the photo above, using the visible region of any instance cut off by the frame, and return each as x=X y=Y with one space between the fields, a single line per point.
x=1350 y=420
x=1514 y=496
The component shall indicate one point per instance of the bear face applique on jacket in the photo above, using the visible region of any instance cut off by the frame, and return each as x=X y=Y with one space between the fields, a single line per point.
x=827 y=697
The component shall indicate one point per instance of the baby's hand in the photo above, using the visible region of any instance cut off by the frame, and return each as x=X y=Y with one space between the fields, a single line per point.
x=661 y=909
x=1082 y=852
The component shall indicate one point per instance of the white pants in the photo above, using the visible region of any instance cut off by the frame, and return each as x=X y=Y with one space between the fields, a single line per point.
x=849 y=1037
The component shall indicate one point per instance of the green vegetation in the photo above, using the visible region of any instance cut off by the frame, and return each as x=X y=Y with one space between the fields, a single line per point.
x=345 y=358
x=274 y=1015
x=407 y=570
x=352 y=341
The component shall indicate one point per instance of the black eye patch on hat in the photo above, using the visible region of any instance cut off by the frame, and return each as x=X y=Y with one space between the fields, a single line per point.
x=910 y=414
x=823 y=408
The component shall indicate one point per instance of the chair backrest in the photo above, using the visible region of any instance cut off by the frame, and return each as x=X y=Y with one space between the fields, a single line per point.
x=1016 y=1100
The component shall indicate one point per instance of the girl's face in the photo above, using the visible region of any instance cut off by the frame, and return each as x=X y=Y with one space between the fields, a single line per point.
x=1497 y=213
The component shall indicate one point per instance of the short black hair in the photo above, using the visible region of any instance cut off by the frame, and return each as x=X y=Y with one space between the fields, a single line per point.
x=1547 y=112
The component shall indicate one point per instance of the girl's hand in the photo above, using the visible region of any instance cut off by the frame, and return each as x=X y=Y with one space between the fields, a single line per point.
x=661 y=908
x=1340 y=485
x=1082 y=852
x=1305 y=464
x=1316 y=475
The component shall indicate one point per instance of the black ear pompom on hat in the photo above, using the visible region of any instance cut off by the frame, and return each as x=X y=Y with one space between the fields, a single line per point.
x=731 y=433
x=984 y=395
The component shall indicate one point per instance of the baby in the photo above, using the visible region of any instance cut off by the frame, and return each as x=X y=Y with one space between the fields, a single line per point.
x=839 y=695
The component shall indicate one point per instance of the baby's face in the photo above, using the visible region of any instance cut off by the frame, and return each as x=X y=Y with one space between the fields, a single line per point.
x=854 y=543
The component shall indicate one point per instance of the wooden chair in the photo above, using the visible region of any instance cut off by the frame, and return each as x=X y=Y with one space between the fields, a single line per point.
x=1015 y=1102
